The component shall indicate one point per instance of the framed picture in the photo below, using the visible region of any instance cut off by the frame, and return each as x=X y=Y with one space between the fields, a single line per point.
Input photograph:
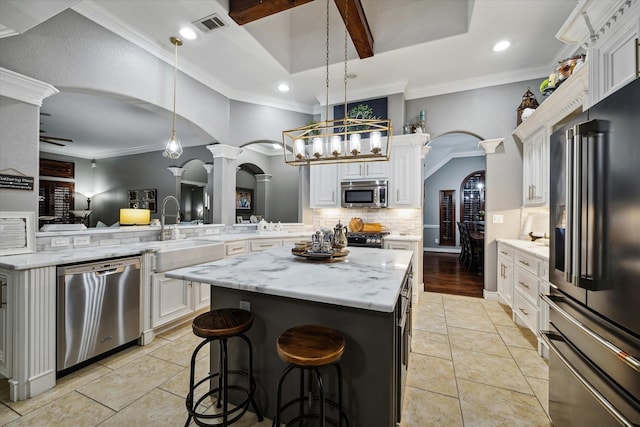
x=17 y=233
x=244 y=199
x=368 y=109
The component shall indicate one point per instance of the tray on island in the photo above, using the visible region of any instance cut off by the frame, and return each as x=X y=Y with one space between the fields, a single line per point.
x=321 y=256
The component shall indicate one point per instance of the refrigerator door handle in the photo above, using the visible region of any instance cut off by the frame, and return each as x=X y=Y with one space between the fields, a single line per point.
x=548 y=337
x=589 y=232
x=552 y=300
x=569 y=243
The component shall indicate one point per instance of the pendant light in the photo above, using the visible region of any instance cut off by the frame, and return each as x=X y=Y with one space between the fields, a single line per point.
x=173 y=150
x=340 y=140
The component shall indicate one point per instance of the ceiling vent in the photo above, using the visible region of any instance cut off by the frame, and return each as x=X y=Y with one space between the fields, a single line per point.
x=210 y=23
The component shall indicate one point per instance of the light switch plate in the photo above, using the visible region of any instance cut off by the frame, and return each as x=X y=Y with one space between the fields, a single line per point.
x=498 y=219
x=245 y=305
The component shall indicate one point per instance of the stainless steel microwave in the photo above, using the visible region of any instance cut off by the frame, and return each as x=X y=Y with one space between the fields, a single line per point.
x=364 y=194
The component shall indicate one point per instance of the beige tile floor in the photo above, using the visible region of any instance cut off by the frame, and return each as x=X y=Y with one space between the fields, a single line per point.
x=470 y=366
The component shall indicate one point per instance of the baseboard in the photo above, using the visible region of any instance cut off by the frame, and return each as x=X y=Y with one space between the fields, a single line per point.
x=490 y=295
x=442 y=250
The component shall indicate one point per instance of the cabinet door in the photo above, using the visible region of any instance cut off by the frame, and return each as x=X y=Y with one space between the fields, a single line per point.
x=351 y=170
x=405 y=183
x=202 y=295
x=171 y=299
x=376 y=169
x=505 y=281
x=535 y=169
x=324 y=186
x=615 y=58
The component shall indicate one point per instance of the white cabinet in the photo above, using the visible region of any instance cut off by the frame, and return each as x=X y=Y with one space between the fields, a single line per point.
x=366 y=170
x=614 y=55
x=535 y=169
x=201 y=295
x=505 y=274
x=324 y=191
x=263 y=244
x=171 y=299
x=237 y=247
x=416 y=247
x=522 y=277
x=405 y=184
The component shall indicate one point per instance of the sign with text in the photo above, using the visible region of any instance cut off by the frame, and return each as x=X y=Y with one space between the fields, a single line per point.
x=16 y=182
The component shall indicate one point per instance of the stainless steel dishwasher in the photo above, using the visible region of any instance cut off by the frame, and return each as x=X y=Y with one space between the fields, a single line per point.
x=98 y=309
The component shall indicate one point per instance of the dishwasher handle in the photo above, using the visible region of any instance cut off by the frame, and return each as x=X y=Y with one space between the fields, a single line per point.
x=109 y=271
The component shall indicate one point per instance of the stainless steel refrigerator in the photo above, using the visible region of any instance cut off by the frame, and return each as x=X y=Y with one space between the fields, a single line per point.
x=594 y=263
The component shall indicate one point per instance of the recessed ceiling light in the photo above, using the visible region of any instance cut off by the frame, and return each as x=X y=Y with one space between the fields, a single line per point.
x=283 y=87
x=501 y=45
x=187 y=33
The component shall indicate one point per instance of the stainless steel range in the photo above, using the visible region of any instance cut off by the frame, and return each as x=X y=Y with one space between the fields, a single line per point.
x=366 y=239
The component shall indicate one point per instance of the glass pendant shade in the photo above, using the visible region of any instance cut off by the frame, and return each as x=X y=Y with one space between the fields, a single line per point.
x=174 y=148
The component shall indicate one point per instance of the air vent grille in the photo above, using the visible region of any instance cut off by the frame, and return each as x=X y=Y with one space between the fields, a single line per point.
x=209 y=23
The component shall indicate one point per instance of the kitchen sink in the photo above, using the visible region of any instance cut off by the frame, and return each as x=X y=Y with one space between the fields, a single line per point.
x=172 y=254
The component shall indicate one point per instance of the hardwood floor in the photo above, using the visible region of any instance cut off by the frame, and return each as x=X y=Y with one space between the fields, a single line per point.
x=444 y=273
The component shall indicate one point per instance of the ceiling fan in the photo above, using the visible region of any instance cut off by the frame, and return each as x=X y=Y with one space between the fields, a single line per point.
x=52 y=139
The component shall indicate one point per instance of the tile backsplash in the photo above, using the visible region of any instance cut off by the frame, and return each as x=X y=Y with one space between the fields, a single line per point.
x=395 y=220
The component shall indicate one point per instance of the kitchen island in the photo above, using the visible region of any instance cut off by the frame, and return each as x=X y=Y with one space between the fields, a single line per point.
x=366 y=296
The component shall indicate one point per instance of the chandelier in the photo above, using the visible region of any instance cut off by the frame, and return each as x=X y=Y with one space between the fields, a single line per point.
x=173 y=149
x=344 y=140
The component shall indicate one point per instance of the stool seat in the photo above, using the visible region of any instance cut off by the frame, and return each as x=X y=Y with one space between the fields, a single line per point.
x=311 y=346
x=223 y=322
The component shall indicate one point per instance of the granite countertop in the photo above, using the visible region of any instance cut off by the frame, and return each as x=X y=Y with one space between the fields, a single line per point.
x=536 y=249
x=367 y=278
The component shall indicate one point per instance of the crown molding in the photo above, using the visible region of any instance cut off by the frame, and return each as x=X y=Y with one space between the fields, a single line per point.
x=26 y=89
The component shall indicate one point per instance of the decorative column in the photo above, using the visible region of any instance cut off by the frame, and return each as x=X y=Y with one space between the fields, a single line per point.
x=177 y=173
x=208 y=196
x=305 y=213
x=261 y=202
x=223 y=202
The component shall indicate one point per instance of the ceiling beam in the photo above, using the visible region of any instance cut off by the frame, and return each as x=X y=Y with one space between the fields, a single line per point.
x=357 y=25
x=245 y=11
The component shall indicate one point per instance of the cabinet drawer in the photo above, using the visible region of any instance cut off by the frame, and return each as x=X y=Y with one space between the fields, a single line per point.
x=526 y=262
x=505 y=251
x=235 y=248
x=262 y=244
x=527 y=284
x=525 y=312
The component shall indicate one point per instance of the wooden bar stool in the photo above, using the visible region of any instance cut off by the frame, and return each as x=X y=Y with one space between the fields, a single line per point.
x=310 y=348
x=221 y=325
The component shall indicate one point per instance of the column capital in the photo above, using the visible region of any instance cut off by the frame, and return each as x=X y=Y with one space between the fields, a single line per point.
x=208 y=167
x=176 y=171
x=224 y=151
x=263 y=177
x=489 y=145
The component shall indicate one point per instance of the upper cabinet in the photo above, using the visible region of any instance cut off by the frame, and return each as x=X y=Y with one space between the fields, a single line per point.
x=405 y=185
x=611 y=40
x=364 y=170
x=324 y=191
x=535 y=169
x=403 y=170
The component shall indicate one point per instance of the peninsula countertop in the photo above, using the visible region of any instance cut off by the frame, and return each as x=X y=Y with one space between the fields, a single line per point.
x=367 y=278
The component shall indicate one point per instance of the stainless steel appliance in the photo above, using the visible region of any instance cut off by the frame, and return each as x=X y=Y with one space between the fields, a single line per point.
x=98 y=309
x=594 y=260
x=366 y=239
x=364 y=194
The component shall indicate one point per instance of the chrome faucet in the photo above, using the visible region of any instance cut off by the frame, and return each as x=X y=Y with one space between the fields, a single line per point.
x=164 y=206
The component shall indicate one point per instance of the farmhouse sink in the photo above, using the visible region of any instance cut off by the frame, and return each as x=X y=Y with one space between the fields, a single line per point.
x=174 y=254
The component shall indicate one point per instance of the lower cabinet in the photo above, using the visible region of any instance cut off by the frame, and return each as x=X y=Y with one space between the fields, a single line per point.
x=416 y=247
x=173 y=298
x=521 y=279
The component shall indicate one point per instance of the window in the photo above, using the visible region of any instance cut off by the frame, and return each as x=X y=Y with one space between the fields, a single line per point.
x=472 y=197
